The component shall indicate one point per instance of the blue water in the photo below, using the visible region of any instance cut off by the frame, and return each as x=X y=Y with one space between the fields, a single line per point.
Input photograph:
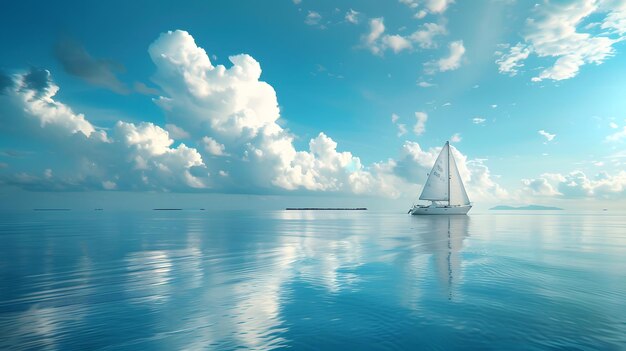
x=312 y=280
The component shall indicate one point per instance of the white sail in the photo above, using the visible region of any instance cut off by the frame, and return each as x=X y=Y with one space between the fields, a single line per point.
x=458 y=196
x=436 y=187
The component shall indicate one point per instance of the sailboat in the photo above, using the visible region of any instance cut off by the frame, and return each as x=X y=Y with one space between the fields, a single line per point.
x=444 y=188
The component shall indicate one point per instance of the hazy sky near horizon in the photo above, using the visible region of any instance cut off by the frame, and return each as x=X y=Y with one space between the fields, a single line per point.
x=315 y=98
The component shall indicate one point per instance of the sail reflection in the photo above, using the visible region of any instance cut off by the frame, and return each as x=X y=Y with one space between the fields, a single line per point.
x=444 y=240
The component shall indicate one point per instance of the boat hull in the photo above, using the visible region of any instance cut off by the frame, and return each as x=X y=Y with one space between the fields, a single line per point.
x=440 y=210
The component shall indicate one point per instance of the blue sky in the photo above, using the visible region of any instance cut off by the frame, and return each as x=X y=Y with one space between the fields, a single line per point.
x=531 y=95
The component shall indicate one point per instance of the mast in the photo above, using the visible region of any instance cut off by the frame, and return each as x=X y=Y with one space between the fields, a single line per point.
x=448 y=145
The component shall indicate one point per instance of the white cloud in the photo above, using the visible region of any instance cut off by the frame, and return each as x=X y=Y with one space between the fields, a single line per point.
x=410 y=3
x=420 y=14
x=297 y=2
x=420 y=126
x=231 y=105
x=176 y=132
x=377 y=28
x=539 y=186
x=213 y=147
x=140 y=155
x=449 y=63
x=34 y=92
x=430 y=6
x=481 y=184
x=510 y=63
x=617 y=136
x=615 y=20
x=577 y=184
x=456 y=138
x=494 y=106
x=148 y=148
x=109 y=185
x=352 y=16
x=613 y=125
x=401 y=127
x=425 y=37
x=437 y=6
x=313 y=18
x=546 y=135
x=396 y=43
x=478 y=120
x=554 y=31
x=377 y=43
x=424 y=84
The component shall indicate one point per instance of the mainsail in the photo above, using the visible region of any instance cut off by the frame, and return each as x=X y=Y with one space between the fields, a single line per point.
x=436 y=187
x=444 y=181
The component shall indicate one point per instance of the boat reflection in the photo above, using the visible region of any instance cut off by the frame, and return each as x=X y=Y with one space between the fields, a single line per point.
x=444 y=241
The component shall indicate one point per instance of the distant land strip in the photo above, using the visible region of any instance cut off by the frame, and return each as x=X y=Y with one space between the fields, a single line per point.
x=51 y=209
x=326 y=209
x=167 y=209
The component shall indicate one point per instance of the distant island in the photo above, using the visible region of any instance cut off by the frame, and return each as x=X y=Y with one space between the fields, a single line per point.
x=526 y=208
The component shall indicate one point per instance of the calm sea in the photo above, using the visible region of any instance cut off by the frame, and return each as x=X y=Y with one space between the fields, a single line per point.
x=193 y=280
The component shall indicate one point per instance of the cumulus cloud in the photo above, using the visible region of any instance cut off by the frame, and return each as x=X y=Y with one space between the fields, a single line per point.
x=549 y=137
x=555 y=31
x=140 y=154
x=233 y=106
x=450 y=62
x=376 y=29
x=32 y=93
x=539 y=186
x=221 y=111
x=396 y=42
x=424 y=84
x=377 y=42
x=429 y=6
x=213 y=147
x=425 y=36
x=577 y=184
x=420 y=125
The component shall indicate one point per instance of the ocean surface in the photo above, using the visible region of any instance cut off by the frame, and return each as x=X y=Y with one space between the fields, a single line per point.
x=312 y=280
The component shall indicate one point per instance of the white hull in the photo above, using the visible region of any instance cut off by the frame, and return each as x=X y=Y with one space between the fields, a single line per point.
x=440 y=210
